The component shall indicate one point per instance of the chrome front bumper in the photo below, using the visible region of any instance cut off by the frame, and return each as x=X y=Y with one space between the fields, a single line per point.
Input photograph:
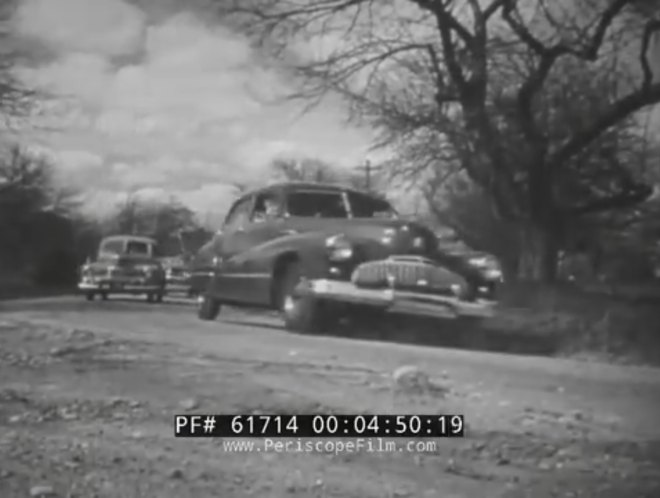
x=119 y=286
x=393 y=301
x=177 y=286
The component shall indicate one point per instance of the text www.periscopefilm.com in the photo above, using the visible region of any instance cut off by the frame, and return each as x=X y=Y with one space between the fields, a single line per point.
x=368 y=445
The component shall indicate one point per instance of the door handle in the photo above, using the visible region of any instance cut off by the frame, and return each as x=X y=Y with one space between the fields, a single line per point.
x=290 y=231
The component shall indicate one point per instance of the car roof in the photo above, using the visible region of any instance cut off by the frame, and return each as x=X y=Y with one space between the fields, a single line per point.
x=135 y=238
x=299 y=185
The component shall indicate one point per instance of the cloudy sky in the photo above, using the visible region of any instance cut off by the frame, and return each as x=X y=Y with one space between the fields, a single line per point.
x=153 y=97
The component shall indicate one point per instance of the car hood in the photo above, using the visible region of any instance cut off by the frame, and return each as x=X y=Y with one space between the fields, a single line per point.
x=396 y=236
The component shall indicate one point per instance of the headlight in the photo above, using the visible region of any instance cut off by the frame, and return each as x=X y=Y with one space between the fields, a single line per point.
x=339 y=248
x=388 y=236
x=479 y=262
x=495 y=274
x=149 y=269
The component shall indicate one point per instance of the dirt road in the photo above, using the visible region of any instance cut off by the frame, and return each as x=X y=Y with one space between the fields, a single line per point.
x=88 y=391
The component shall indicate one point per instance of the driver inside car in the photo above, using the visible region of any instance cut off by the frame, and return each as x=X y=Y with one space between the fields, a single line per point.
x=272 y=208
x=269 y=209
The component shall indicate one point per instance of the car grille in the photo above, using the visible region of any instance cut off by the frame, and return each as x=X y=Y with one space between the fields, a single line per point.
x=418 y=274
x=98 y=272
x=126 y=273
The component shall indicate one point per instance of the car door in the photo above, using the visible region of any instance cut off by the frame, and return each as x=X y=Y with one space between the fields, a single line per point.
x=266 y=224
x=231 y=281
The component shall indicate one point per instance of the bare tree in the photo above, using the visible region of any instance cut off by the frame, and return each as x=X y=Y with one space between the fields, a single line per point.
x=305 y=170
x=164 y=221
x=477 y=79
x=35 y=215
x=309 y=169
x=15 y=98
x=126 y=220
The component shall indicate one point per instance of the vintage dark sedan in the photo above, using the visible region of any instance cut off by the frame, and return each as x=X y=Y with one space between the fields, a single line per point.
x=125 y=264
x=311 y=250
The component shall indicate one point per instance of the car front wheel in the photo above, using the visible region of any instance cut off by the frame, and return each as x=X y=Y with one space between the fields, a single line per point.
x=286 y=284
x=301 y=313
x=305 y=314
x=208 y=308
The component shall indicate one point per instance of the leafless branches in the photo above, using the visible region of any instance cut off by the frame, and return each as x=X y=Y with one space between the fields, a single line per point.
x=483 y=84
x=15 y=98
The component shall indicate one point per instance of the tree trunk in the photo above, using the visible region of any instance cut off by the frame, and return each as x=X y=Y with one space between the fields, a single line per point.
x=539 y=255
x=510 y=267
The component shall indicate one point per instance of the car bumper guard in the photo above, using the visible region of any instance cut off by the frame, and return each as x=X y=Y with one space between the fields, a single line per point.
x=393 y=301
x=119 y=287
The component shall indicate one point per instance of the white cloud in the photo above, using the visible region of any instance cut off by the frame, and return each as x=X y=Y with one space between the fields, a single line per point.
x=109 y=28
x=165 y=101
x=213 y=198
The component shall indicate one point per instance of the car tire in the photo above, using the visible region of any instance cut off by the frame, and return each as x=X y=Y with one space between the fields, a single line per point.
x=104 y=296
x=159 y=297
x=305 y=315
x=469 y=292
x=286 y=282
x=90 y=296
x=208 y=308
x=150 y=297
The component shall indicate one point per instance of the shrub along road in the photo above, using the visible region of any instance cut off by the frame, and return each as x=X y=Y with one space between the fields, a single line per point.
x=88 y=390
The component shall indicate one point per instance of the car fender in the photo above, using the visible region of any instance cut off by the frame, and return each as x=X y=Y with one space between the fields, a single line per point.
x=308 y=248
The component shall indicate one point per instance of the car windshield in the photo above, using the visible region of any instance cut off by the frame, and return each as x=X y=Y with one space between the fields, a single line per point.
x=367 y=206
x=317 y=204
x=113 y=246
x=138 y=248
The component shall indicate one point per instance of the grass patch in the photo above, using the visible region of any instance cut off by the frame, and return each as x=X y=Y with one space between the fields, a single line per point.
x=14 y=286
x=609 y=324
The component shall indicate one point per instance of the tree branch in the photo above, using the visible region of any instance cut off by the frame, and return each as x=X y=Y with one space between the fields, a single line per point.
x=492 y=8
x=440 y=9
x=620 y=110
x=615 y=202
x=650 y=29
x=590 y=51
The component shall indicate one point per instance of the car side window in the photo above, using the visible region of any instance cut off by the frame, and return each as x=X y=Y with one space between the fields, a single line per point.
x=267 y=205
x=141 y=248
x=316 y=204
x=239 y=215
x=113 y=246
x=367 y=206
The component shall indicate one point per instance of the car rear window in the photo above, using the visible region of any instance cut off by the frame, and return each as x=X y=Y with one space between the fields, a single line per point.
x=367 y=206
x=316 y=204
x=137 y=248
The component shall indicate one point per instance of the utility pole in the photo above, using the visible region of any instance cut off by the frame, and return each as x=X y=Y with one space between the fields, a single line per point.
x=368 y=170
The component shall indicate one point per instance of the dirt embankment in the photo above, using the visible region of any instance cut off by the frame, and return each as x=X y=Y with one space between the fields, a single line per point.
x=87 y=411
